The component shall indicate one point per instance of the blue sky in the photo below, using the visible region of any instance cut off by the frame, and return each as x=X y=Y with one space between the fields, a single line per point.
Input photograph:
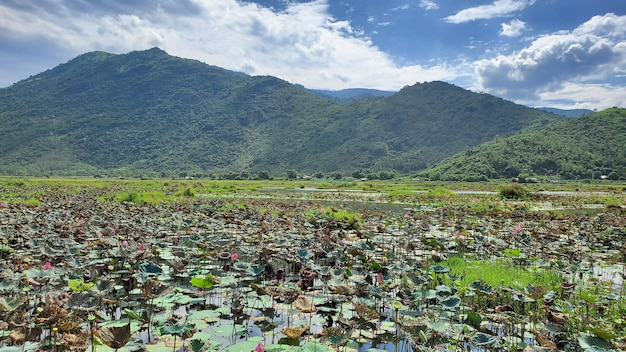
x=559 y=53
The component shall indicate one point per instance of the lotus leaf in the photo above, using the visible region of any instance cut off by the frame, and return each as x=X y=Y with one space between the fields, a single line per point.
x=482 y=339
x=114 y=336
x=480 y=286
x=451 y=302
x=204 y=282
x=591 y=343
x=295 y=333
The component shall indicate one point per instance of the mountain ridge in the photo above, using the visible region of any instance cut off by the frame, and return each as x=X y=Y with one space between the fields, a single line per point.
x=146 y=112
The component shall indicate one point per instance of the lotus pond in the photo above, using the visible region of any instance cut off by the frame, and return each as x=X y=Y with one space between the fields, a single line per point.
x=109 y=266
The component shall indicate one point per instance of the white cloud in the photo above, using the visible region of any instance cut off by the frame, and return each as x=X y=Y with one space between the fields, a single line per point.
x=512 y=29
x=302 y=43
x=583 y=96
x=593 y=52
x=428 y=5
x=499 y=8
x=401 y=7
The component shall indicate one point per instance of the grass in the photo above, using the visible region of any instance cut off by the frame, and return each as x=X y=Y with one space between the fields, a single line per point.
x=501 y=272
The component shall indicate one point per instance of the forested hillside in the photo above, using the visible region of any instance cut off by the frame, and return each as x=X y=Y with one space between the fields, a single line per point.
x=149 y=113
x=590 y=146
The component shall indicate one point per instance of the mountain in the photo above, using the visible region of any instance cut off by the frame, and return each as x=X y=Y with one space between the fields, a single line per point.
x=589 y=146
x=567 y=112
x=149 y=113
x=347 y=95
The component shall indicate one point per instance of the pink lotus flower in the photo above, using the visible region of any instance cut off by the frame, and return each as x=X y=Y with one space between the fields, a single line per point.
x=141 y=247
x=47 y=266
x=125 y=243
x=517 y=228
x=380 y=278
x=406 y=215
x=234 y=256
x=259 y=348
x=457 y=233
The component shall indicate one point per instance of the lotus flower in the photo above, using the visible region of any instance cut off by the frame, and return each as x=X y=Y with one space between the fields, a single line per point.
x=234 y=256
x=517 y=228
x=46 y=266
x=259 y=347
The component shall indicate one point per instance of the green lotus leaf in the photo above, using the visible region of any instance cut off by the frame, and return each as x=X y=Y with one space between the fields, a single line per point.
x=28 y=346
x=206 y=281
x=176 y=329
x=474 y=319
x=149 y=268
x=451 y=302
x=9 y=304
x=79 y=285
x=313 y=346
x=482 y=339
x=197 y=345
x=439 y=269
x=480 y=286
x=592 y=343
x=256 y=269
x=226 y=330
x=305 y=253
x=396 y=305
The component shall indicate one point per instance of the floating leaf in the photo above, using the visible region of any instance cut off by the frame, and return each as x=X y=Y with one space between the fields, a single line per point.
x=482 y=339
x=206 y=281
x=79 y=285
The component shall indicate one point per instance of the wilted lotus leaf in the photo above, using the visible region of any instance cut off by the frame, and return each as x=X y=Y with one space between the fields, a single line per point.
x=304 y=304
x=69 y=323
x=114 y=336
x=75 y=342
x=295 y=333
x=535 y=292
x=153 y=288
x=50 y=314
x=342 y=290
x=83 y=301
x=336 y=335
x=17 y=336
x=289 y=296
x=365 y=312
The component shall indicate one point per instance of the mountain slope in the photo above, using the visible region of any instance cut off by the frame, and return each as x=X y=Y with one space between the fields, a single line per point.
x=585 y=147
x=147 y=112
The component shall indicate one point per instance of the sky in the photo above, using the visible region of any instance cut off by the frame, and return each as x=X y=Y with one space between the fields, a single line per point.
x=557 y=53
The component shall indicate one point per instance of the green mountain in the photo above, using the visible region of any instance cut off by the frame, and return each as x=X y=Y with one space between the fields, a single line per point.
x=587 y=147
x=147 y=112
